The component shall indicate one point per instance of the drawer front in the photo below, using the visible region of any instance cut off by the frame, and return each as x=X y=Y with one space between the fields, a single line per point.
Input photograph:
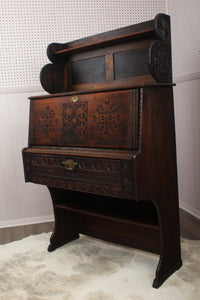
x=109 y=177
x=105 y=120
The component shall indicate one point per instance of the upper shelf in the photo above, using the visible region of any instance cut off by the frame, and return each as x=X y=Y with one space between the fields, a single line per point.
x=127 y=57
x=99 y=44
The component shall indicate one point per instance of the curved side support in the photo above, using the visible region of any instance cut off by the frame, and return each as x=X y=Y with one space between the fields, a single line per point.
x=170 y=256
x=52 y=48
x=66 y=223
x=53 y=78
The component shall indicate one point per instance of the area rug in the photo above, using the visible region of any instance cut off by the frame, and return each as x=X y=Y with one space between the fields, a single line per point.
x=91 y=269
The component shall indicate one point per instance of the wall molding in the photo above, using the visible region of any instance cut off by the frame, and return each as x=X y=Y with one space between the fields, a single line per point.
x=178 y=78
x=188 y=76
x=191 y=210
x=21 y=89
x=26 y=221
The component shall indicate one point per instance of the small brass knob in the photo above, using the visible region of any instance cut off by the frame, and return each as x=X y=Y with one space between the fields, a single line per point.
x=74 y=99
x=70 y=164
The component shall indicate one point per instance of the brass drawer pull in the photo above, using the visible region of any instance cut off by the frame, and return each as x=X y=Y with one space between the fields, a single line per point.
x=74 y=99
x=70 y=164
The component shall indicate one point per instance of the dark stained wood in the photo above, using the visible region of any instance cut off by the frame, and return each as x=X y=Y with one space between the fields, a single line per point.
x=60 y=77
x=109 y=67
x=80 y=151
x=158 y=153
x=189 y=227
x=88 y=70
x=132 y=63
x=136 y=50
x=123 y=46
x=103 y=39
x=123 y=83
x=96 y=120
x=103 y=43
x=105 y=147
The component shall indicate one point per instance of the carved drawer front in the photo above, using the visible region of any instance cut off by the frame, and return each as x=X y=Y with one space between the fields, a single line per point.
x=109 y=177
x=107 y=120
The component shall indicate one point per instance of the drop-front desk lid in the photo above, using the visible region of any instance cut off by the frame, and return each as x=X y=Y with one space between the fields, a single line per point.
x=98 y=120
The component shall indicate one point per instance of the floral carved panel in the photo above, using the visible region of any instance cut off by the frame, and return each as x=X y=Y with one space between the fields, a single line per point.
x=47 y=121
x=75 y=123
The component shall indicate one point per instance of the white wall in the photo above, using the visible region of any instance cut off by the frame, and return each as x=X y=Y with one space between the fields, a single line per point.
x=187 y=116
x=186 y=68
x=27 y=27
x=20 y=203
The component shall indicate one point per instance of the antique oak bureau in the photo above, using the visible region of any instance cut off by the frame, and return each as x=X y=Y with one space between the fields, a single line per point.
x=103 y=141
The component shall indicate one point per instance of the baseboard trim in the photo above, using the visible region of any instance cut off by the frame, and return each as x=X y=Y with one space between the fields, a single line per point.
x=26 y=221
x=192 y=211
x=50 y=218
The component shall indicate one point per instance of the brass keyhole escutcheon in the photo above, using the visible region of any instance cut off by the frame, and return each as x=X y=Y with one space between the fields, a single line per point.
x=74 y=99
x=70 y=164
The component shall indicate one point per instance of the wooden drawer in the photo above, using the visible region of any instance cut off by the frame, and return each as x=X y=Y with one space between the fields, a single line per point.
x=100 y=120
x=109 y=177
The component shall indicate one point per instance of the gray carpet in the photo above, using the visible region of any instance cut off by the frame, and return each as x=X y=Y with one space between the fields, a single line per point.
x=90 y=269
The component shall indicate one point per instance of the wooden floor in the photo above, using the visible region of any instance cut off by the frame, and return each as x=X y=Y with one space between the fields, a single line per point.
x=189 y=225
x=11 y=234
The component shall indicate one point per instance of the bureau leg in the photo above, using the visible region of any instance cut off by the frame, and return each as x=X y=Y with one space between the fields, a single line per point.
x=170 y=256
x=66 y=223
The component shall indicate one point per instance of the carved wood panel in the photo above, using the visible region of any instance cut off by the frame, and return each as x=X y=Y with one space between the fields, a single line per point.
x=106 y=120
x=47 y=121
x=75 y=121
x=111 y=177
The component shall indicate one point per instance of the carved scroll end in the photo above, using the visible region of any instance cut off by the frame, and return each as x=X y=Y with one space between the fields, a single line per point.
x=160 y=63
x=162 y=27
x=53 y=78
x=160 y=60
x=52 y=49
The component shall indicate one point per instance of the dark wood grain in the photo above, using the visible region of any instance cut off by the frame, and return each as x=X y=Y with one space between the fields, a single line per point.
x=137 y=51
x=159 y=183
x=96 y=120
x=132 y=63
x=109 y=67
x=88 y=70
x=189 y=226
x=104 y=141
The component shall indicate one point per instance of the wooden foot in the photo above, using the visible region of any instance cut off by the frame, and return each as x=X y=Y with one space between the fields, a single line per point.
x=56 y=244
x=162 y=274
x=170 y=256
x=66 y=222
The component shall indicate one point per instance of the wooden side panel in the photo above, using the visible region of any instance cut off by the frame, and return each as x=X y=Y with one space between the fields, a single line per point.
x=156 y=174
x=106 y=120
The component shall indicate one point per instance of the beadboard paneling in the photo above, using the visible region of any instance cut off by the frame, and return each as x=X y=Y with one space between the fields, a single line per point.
x=20 y=202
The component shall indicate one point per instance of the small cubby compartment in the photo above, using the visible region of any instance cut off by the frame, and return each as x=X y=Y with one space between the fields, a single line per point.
x=117 y=220
x=143 y=212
